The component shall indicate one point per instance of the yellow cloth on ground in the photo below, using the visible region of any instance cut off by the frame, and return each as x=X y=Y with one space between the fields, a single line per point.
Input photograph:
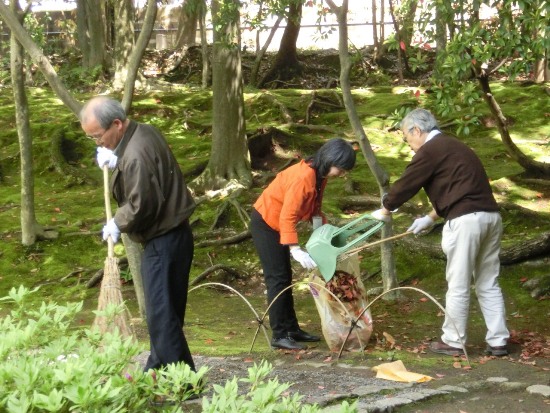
x=396 y=371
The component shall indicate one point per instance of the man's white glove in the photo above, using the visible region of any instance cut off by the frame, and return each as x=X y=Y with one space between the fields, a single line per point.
x=380 y=216
x=106 y=156
x=111 y=229
x=420 y=224
x=303 y=258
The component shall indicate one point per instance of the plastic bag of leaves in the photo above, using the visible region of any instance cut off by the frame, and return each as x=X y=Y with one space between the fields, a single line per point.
x=339 y=302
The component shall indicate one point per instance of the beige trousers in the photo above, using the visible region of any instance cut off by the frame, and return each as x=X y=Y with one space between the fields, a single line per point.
x=472 y=245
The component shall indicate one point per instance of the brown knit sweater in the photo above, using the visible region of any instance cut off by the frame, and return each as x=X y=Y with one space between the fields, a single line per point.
x=452 y=176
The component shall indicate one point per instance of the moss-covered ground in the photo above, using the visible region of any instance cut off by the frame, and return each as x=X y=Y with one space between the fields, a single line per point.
x=218 y=322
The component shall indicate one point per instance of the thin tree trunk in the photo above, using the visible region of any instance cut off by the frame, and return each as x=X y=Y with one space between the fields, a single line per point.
x=137 y=53
x=30 y=229
x=124 y=40
x=374 y=4
x=537 y=168
x=133 y=253
x=204 y=45
x=389 y=277
x=261 y=53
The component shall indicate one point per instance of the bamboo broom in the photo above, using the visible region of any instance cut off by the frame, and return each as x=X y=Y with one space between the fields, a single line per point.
x=110 y=294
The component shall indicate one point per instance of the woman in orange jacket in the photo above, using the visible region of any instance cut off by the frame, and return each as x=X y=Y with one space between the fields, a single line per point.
x=294 y=195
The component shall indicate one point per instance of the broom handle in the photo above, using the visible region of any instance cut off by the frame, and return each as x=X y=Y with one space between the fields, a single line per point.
x=372 y=244
x=110 y=243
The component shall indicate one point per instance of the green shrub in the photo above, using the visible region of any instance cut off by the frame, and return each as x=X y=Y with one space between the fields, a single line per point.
x=49 y=365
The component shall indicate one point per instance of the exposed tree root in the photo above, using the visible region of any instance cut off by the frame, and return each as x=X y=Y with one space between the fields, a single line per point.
x=98 y=276
x=234 y=239
x=214 y=268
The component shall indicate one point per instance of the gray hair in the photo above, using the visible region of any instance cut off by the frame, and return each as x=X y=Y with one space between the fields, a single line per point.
x=420 y=118
x=104 y=109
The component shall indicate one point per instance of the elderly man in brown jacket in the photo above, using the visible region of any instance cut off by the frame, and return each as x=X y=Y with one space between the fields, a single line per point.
x=154 y=206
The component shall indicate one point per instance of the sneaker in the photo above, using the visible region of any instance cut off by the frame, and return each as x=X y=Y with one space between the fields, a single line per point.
x=497 y=351
x=286 y=343
x=442 y=348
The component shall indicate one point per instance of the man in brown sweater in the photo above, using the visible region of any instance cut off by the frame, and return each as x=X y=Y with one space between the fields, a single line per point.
x=458 y=188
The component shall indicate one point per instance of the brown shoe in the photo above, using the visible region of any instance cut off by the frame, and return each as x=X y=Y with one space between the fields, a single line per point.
x=497 y=351
x=442 y=348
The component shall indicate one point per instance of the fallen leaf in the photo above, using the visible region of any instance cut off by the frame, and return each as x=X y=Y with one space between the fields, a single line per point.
x=457 y=365
x=389 y=338
x=328 y=359
x=423 y=299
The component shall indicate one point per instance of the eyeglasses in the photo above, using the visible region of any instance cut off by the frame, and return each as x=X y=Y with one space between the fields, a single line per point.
x=99 y=137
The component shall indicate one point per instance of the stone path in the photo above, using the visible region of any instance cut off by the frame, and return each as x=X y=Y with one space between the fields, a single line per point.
x=327 y=384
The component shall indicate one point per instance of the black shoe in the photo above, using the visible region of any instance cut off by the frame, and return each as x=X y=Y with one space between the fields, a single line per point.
x=287 y=343
x=301 y=335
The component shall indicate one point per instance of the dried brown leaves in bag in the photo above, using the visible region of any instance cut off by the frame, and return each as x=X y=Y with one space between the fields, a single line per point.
x=344 y=286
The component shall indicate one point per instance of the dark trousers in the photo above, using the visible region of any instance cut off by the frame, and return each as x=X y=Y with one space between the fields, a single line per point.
x=165 y=267
x=275 y=260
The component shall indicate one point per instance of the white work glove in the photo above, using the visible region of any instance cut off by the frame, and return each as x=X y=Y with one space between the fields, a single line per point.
x=303 y=258
x=106 y=156
x=111 y=229
x=380 y=216
x=420 y=224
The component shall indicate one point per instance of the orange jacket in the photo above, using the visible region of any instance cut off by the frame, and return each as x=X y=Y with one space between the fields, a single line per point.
x=291 y=197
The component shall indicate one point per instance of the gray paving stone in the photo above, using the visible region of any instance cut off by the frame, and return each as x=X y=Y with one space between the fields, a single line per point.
x=497 y=379
x=539 y=389
x=513 y=385
x=387 y=404
x=453 y=389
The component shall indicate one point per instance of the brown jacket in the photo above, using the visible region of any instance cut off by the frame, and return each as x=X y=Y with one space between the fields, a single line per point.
x=291 y=197
x=148 y=185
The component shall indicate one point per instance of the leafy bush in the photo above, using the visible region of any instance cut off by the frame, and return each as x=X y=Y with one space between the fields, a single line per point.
x=49 y=365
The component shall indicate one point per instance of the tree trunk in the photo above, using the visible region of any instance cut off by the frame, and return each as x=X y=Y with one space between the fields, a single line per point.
x=133 y=253
x=137 y=53
x=204 y=44
x=38 y=58
x=124 y=40
x=260 y=54
x=187 y=25
x=229 y=160
x=90 y=25
x=531 y=166
x=389 y=277
x=440 y=28
x=522 y=251
x=286 y=64
x=30 y=229
x=374 y=5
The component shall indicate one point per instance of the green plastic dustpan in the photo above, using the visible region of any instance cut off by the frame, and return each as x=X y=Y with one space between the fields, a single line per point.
x=327 y=242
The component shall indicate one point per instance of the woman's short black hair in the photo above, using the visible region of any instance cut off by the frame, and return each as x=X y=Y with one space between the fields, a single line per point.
x=336 y=152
